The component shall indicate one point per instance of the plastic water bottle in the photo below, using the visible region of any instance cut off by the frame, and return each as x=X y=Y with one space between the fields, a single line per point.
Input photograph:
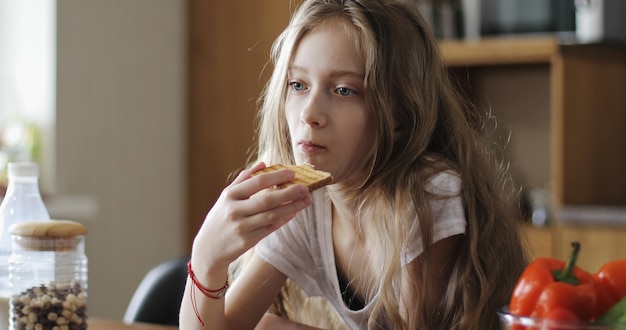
x=22 y=202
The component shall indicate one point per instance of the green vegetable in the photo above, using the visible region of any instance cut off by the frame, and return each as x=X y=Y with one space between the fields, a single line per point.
x=615 y=314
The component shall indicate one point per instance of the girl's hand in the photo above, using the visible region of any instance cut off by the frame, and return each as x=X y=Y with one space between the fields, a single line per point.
x=241 y=217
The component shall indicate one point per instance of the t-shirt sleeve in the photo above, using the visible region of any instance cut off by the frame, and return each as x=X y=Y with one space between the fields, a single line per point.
x=287 y=249
x=448 y=214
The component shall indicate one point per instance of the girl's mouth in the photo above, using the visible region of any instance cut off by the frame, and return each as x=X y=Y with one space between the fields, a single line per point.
x=309 y=147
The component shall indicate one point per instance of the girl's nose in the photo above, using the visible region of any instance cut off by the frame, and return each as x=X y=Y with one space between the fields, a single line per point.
x=314 y=111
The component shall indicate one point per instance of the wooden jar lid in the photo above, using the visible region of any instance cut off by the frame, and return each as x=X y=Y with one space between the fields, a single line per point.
x=48 y=235
x=48 y=228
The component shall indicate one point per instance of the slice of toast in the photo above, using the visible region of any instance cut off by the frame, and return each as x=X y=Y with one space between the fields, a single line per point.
x=306 y=174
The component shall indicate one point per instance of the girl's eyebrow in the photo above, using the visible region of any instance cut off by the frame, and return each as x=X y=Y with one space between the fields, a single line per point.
x=333 y=74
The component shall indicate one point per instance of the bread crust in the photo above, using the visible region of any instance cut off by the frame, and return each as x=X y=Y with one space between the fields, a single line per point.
x=306 y=174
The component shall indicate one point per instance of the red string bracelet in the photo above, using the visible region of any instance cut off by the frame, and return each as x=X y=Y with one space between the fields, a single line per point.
x=213 y=294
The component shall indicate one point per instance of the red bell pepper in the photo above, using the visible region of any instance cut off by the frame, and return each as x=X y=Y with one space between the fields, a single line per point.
x=548 y=284
x=612 y=277
x=563 y=315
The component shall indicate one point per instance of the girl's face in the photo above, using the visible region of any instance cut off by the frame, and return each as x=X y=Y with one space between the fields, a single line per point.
x=330 y=125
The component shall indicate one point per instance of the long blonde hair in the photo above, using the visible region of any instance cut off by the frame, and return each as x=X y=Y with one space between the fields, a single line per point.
x=423 y=126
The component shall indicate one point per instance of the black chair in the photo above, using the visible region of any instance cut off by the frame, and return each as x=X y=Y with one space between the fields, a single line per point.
x=158 y=296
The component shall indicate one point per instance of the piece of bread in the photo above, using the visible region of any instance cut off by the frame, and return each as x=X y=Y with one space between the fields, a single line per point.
x=306 y=174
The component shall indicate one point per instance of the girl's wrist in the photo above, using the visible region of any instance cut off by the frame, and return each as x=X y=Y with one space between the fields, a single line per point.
x=217 y=293
x=197 y=287
x=207 y=270
x=207 y=264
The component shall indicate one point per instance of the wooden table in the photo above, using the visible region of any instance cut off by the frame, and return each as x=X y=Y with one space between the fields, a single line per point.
x=103 y=324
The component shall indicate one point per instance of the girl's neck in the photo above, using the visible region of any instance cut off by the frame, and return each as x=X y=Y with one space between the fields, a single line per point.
x=342 y=209
x=353 y=256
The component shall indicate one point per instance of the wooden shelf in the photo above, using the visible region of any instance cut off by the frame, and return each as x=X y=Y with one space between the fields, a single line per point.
x=584 y=107
x=498 y=51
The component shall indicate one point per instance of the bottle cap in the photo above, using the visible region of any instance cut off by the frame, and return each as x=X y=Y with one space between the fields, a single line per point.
x=27 y=169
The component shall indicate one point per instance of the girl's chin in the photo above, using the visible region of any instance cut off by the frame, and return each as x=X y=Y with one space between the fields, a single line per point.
x=307 y=160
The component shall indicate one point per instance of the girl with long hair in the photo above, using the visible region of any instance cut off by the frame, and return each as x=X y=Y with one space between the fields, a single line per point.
x=419 y=228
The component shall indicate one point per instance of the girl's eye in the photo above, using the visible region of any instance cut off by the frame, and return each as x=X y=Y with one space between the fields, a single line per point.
x=343 y=91
x=296 y=86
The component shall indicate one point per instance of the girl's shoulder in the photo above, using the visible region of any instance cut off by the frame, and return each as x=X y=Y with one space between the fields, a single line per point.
x=447 y=182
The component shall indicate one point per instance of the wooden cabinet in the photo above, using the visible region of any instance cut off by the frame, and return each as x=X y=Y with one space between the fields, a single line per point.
x=572 y=96
x=566 y=107
x=599 y=244
x=539 y=241
x=229 y=45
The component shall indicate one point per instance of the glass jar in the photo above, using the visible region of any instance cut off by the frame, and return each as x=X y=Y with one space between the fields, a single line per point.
x=48 y=275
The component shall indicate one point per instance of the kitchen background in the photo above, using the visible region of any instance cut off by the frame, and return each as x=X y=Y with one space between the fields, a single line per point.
x=118 y=138
x=112 y=131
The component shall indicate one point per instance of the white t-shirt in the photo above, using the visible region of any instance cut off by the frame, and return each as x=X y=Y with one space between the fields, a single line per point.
x=303 y=248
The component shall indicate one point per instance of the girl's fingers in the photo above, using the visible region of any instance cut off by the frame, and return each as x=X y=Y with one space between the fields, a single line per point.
x=245 y=174
x=270 y=210
x=262 y=224
x=246 y=185
x=272 y=199
x=247 y=221
x=247 y=216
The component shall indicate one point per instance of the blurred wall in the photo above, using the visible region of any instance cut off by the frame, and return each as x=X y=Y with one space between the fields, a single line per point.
x=120 y=128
